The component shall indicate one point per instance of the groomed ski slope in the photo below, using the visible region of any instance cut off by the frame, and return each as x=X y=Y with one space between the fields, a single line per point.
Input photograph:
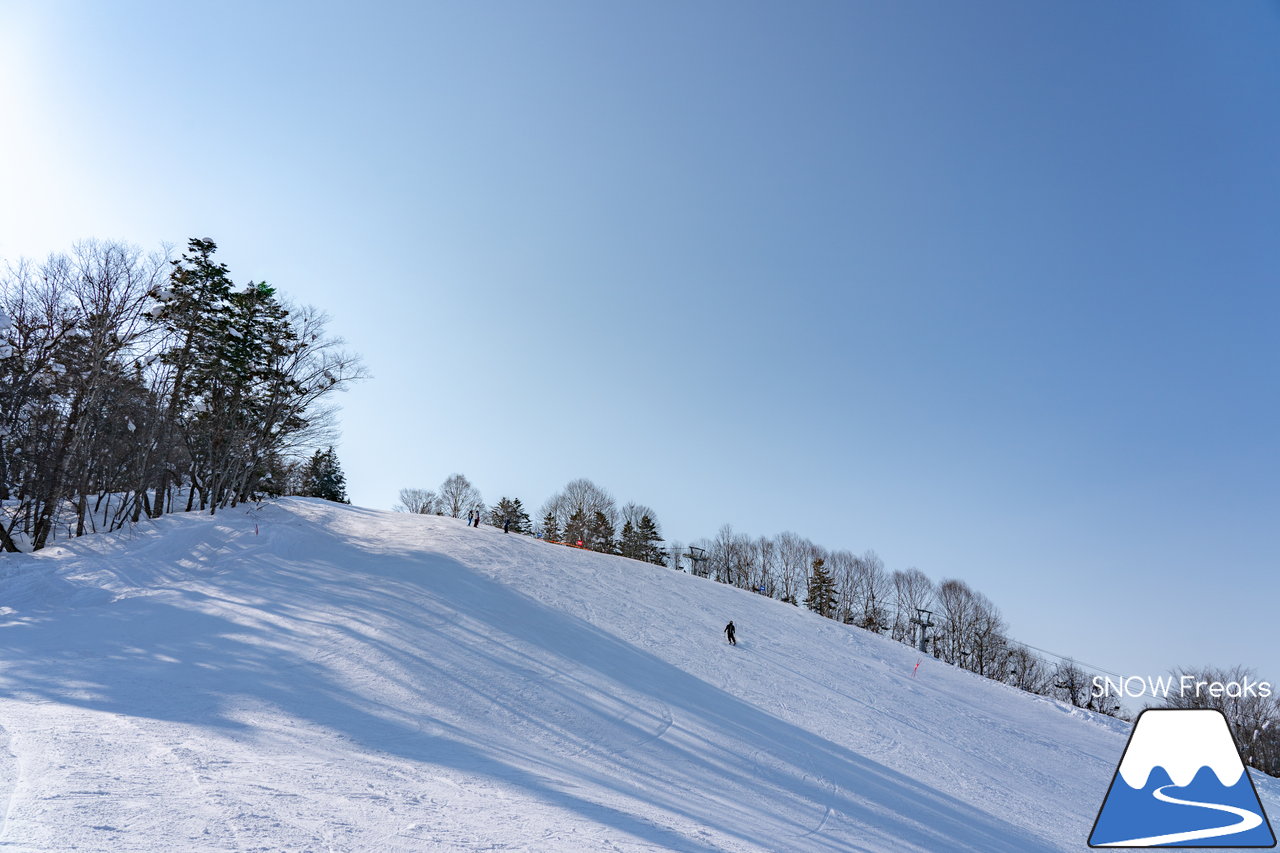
x=346 y=679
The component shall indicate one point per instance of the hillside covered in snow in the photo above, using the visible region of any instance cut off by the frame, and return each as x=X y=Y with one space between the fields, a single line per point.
x=311 y=676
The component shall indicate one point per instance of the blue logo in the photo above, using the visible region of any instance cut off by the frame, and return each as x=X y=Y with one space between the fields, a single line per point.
x=1181 y=783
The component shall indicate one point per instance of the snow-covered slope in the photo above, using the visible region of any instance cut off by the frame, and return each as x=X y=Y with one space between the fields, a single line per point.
x=309 y=676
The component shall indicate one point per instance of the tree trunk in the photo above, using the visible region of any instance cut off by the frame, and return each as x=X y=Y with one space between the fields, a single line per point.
x=82 y=505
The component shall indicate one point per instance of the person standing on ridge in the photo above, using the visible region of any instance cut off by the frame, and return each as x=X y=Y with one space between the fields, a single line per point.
x=730 y=631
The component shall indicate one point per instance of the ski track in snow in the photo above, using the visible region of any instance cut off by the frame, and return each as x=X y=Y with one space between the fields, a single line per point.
x=349 y=680
x=9 y=776
x=71 y=779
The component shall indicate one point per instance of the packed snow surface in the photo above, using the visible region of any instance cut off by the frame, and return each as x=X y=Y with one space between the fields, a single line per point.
x=307 y=676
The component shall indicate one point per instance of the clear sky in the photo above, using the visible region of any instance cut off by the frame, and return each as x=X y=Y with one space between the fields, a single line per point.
x=990 y=288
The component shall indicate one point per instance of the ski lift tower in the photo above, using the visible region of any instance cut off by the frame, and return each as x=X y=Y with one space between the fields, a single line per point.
x=924 y=618
x=697 y=556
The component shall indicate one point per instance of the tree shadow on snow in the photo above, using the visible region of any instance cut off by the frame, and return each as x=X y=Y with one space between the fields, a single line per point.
x=502 y=686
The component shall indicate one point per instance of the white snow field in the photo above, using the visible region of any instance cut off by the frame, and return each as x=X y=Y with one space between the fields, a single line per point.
x=350 y=680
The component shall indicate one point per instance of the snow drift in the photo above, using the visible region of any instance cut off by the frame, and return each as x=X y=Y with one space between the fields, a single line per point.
x=311 y=676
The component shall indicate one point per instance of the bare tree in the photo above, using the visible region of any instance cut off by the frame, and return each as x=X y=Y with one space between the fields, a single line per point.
x=417 y=501
x=1254 y=717
x=728 y=556
x=675 y=556
x=633 y=513
x=551 y=522
x=988 y=643
x=843 y=567
x=913 y=592
x=765 y=564
x=457 y=496
x=320 y=366
x=582 y=499
x=971 y=632
x=1025 y=671
x=67 y=392
x=1072 y=684
x=871 y=593
x=795 y=556
x=700 y=567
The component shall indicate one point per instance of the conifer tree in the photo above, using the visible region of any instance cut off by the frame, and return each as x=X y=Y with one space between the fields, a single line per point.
x=600 y=534
x=140 y=379
x=822 y=590
x=239 y=388
x=579 y=496
x=575 y=529
x=511 y=512
x=323 y=478
x=550 y=527
x=642 y=541
x=629 y=544
x=194 y=309
x=651 y=550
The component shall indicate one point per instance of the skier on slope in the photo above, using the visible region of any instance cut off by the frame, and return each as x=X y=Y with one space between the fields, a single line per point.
x=729 y=632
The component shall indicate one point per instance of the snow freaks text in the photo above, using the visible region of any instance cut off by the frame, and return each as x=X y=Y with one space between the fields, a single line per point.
x=1188 y=686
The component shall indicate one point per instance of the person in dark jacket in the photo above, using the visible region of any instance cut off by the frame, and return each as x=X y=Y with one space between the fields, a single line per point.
x=730 y=631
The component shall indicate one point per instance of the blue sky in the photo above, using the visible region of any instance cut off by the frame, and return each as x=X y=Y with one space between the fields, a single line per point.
x=990 y=288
